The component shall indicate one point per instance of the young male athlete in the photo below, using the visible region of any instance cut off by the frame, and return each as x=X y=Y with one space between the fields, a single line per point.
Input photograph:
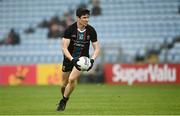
x=75 y=43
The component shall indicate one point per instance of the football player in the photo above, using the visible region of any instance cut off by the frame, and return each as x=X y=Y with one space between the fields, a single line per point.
x=75 y=43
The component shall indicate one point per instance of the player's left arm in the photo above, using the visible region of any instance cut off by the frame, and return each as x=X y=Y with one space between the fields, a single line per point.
x=96 y=51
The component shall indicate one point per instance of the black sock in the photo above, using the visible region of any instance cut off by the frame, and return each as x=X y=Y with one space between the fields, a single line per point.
x=65 y=98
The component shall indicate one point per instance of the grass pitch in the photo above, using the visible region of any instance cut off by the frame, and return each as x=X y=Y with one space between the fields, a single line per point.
x=92 y=100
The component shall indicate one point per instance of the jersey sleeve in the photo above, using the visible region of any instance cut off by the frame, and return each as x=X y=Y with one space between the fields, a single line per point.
x=93 y=35
x=67 y=33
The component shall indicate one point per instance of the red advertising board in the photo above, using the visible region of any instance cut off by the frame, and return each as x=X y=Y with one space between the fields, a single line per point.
x=142 y=73
x=17 y=75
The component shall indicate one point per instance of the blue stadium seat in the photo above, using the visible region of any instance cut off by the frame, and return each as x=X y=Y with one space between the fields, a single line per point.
x=129 y=25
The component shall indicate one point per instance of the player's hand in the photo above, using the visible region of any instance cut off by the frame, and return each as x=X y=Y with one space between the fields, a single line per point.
x=74 y=61
x=92 y=62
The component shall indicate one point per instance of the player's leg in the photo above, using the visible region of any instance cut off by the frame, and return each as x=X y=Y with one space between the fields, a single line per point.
x=72 y=82
x=66 y=69
x=69 y=88
x=65 y=77
x=62 y=103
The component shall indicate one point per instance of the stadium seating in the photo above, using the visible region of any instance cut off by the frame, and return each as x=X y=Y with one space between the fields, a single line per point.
x=125 y=28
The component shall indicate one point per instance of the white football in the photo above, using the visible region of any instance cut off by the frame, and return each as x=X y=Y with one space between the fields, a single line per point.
x=84 y=63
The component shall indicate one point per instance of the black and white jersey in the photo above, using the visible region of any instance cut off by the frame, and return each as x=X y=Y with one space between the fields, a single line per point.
x=80 y=40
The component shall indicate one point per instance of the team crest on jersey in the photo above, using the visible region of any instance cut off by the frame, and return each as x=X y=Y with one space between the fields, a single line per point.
x=81 y=36
x=88 y=37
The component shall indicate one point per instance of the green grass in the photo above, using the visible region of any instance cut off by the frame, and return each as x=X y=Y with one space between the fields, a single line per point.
x=92 y=100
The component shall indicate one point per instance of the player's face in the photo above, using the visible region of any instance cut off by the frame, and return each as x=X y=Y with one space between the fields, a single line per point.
x=84 y=19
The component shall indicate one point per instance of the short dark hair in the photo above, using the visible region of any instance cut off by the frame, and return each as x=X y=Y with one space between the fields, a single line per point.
x=82 y=11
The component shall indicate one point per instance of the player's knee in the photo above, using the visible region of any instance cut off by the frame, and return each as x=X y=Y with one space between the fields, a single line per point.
x=64 y=84
x=71 y=81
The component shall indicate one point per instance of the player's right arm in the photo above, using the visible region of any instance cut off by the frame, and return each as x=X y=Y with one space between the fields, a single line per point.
x=65 y=44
